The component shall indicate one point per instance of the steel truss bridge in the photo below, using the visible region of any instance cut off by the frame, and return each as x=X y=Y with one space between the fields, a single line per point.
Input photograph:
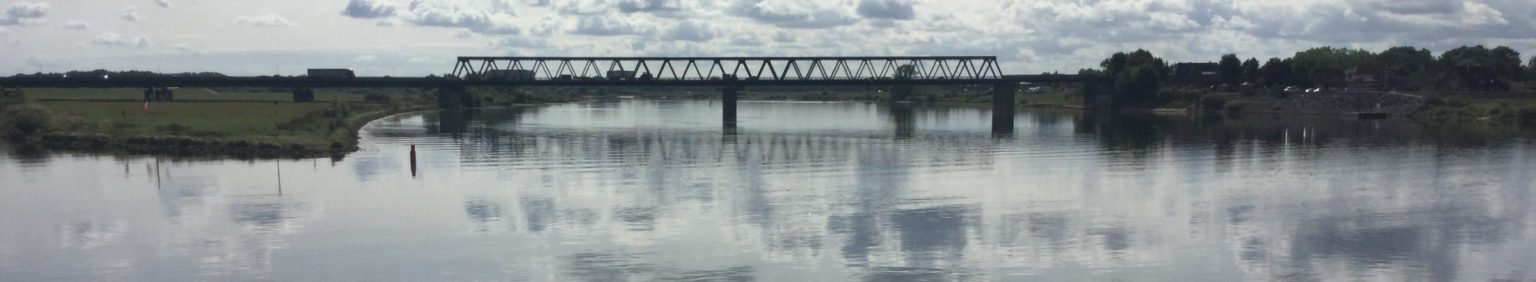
x=731 y=73
x=773 y=70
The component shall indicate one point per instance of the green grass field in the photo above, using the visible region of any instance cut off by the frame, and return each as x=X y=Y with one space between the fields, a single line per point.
x=205 y=119
x=182 y=94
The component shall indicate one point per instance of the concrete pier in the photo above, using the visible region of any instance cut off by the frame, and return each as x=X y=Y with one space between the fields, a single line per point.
x=1003 y=105
x=728 y=104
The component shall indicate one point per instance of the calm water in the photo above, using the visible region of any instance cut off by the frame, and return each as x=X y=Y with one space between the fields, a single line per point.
x=645 y=190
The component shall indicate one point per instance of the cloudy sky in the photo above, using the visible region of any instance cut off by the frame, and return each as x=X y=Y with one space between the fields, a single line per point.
x=417 y=37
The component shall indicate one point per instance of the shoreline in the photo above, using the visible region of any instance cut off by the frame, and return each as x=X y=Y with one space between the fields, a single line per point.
x=192 y=146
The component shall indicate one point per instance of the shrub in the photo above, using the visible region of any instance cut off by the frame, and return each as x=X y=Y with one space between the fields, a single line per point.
x=376 y=97
x=1212 y=103
x=1528 y=114
x=1235 y=107
x=25 y=120
x=12 y=97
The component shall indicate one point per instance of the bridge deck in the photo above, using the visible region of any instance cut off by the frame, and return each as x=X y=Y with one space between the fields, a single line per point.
x=400 y=82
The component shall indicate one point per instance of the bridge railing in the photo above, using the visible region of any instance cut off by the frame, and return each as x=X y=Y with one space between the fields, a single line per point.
x=728 y=68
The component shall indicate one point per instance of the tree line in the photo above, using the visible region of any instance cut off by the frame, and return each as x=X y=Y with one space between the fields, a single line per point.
x=1139 y=75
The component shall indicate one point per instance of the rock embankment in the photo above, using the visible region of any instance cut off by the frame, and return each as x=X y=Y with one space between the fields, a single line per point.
x=1338 y=102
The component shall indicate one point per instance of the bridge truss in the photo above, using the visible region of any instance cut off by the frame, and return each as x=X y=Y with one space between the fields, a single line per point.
x=781 y=69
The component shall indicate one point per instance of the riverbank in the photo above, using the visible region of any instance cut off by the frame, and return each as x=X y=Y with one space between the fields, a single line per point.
x=203 y=122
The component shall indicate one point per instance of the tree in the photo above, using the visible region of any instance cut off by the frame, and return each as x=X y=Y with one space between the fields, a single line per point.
x=1503 y=61
x=1325 y=65
x=1231 y=69
x=1403 y=61
x=1276 y=72
x=1138 y=76
x=901 y=92
x=1531 y=68
x=1251 y=70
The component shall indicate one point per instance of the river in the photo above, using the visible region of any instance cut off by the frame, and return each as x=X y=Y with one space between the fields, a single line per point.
x=660 y=190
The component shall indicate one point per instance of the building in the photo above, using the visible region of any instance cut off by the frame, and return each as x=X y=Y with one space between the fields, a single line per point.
x=1196 y=74
x=1366 y=76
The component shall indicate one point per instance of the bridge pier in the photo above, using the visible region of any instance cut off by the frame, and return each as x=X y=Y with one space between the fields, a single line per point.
x=1003 y=104
x=728 y=105
x=158 y=94
x=302 y=95
x=450 y=97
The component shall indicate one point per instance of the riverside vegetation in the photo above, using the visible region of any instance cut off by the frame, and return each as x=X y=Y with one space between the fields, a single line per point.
x=236 y=122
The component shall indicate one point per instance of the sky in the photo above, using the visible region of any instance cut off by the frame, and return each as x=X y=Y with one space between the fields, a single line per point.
x=420 y=37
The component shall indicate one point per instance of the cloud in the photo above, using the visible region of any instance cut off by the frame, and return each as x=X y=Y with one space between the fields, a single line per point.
x=114 y=39
x=368 y=9
x=794 y=13
x=520 y=43
x=438 y=14
x=783 y=37
x=463 y=34
x=605 y=26
x=746 y=39
x=24 y=13
x=27 y=10
x=267 y=20
x=548 y=25
x=164 y=3
x=131 y=14
x=690 y=31
x=886 y=9
x=637 y=6
x=77 y=25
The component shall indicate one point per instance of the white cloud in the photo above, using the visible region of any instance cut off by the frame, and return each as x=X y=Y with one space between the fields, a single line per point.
x=131 y=14
x=24 y=13
x=164 y=3
x=886 y=9
x=690 y=31
x=77 y=25
x=368 y=9
x=114 y=39
x=795 y=13
x=607 y=25
x=267 y=20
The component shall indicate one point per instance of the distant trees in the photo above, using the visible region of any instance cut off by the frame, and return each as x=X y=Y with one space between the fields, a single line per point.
x=1324 y=66
x=1276 y=72
x=1231 y=69
x=1138 y=76
x=1251 y=70
x=902 y=92
x=1503 y=61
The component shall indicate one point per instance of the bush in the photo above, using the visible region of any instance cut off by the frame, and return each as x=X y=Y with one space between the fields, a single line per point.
x=1235 y=107
x=12 y=97
x=376 y=97
x=25 y=120
x=1214 y=102
x=1528 y=114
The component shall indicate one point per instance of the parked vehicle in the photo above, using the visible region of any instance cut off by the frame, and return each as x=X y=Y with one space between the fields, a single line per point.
x=497 y=75
x=621 y=75
x=331 y=73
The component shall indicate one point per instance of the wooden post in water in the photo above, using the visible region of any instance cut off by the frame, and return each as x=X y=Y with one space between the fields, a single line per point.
x=413 y=160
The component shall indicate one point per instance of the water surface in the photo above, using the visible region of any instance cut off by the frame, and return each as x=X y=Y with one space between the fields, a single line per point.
x=646 y=190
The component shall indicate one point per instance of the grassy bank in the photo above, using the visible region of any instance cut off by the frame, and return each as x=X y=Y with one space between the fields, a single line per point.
x=1507 y=111
x=202 y=121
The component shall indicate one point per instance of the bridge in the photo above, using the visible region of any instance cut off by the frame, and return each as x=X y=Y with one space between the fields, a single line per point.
x=732 y=74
